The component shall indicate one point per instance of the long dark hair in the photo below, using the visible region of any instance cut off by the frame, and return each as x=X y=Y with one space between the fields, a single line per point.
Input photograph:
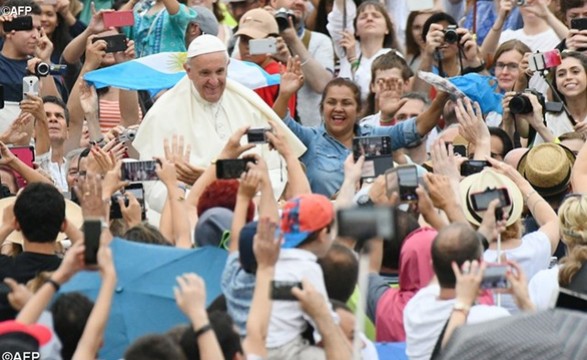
x=570 y=54
x=60 y=37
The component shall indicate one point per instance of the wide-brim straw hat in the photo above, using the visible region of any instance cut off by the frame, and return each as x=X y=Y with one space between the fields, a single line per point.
x=73 y=213
x=490 y=179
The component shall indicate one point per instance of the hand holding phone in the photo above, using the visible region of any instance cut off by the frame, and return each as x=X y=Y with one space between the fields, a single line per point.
x=118 y=18
x=470 y=167
x=92 y=233
x=544 y=60
x=114 y=43
x=257 y=135
x=138 y=171
x=494 y=277
x=281 y=290
x=232 y=168
x=263 y=46
x=407 y=178
x=21 y=23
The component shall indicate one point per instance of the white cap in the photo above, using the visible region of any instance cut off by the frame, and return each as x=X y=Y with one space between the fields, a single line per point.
x=206 y=44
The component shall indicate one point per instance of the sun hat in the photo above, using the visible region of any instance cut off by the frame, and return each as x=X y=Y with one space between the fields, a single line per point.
x=304 y=215
x=547 y=167
x=257 y=24
x=490 y=179
x=73 y=213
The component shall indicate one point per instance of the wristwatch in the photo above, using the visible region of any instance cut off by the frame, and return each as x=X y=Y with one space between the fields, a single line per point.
x=364 y=200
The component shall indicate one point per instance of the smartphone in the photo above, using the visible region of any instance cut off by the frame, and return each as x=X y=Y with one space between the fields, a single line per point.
x=364 y=223
x=494 y=277
x=377 y=151
x=26 y=154
x=1 y=96
x=471 y=167
x=30 y=85
x=92 y=232
x=263 y=46
x=460 y=149
x=281 y=290
x=21 y=23
x=114 y=43
x=231 y=168
x=138 y=191
x=407 y=180
x=118 y=18
x=257 y=135
x=579 y=24
x=544 y=60
x=572 y=300
x=137 y=171
x=480 y=200
x=391 y=181
x=418 y=5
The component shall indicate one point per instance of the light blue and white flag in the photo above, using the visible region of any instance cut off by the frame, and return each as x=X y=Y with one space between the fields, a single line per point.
x=164 y=70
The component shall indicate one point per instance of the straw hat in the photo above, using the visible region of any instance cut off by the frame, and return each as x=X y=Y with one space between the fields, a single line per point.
x=73 y=213
x=489 y=178
x=547 y=167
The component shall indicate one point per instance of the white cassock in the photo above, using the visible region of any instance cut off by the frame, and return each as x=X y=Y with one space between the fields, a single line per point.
x=206 y=127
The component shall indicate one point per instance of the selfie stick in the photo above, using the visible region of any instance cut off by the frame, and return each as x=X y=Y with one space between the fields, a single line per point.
x=364 y=257
x=498 y=298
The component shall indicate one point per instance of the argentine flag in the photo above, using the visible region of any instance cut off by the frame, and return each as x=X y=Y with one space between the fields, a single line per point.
x=162 y=71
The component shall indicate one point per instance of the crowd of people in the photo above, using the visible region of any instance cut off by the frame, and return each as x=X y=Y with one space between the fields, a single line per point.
x=481 y=216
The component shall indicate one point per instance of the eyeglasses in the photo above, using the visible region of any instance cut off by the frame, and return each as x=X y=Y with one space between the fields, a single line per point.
x=510 y=66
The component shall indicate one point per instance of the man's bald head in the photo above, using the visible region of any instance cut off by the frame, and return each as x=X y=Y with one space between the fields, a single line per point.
x=457 y=242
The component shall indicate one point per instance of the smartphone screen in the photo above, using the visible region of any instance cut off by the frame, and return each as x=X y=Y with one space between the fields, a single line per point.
x=281 y=290
x=137 y=171
x=231 y=168
x=364 y=223
x=407 y=178
x=481 y=200
x=139 y=193
x=377 y=151
x=494 y=277
x=92 y=231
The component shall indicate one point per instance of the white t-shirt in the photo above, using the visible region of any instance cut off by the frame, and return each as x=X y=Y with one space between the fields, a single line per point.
x=425 y=316
x=558 y=124
x=371 y=120
x=532 y=255
x=544 y=41
x=288 y=320
x=543 y=286
x=308 y=100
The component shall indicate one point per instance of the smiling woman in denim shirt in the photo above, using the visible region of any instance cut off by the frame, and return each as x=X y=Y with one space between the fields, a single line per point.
x=330 y=143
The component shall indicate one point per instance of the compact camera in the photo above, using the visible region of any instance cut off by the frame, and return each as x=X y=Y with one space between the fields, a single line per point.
x=43 y=69
x=282 y=17
x=450 y=35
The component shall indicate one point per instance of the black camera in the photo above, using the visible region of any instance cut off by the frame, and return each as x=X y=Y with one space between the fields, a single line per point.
x=282 y=17
x=521 y=104
x=43 y=69
x=450 y=35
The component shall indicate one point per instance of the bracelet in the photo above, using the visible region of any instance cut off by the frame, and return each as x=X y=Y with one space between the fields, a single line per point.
x=530 y=194
x=54 y=283
x=476 y=69
x=202 y=330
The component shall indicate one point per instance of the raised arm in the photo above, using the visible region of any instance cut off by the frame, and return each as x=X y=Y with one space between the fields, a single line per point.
x=473 y=128
x=579 y=172
x=175 y=198
x=190 y=297
x=34 y=106
x=249 y=183
x=76 y=48
x=492 y=39
x=266 y=249
x=93 y=335
x=426 y=121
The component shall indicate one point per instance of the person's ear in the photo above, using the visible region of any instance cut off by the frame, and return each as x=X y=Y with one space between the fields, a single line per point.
x=63 y=227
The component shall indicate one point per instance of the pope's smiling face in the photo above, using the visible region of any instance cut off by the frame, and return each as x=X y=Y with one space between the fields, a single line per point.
x=208 y=74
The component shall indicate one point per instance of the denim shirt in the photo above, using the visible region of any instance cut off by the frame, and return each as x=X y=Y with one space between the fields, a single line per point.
x=324 y=159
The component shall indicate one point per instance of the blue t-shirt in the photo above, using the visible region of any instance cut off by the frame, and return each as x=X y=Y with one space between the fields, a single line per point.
x=238 y=287
x=12 y=73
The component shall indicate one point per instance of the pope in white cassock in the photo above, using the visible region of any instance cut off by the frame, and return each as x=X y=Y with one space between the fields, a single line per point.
x=206 y=108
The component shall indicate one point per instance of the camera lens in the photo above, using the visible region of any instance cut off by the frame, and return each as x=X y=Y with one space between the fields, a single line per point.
x=42 y=69
x=520 y=104
x=451 y=36
x=521 y=2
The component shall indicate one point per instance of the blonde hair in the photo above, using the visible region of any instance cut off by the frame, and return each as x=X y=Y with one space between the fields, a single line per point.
x=572 y=214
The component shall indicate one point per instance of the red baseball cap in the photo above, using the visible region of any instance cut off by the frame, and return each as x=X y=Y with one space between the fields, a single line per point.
x=39 y=332
x=304 y=215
